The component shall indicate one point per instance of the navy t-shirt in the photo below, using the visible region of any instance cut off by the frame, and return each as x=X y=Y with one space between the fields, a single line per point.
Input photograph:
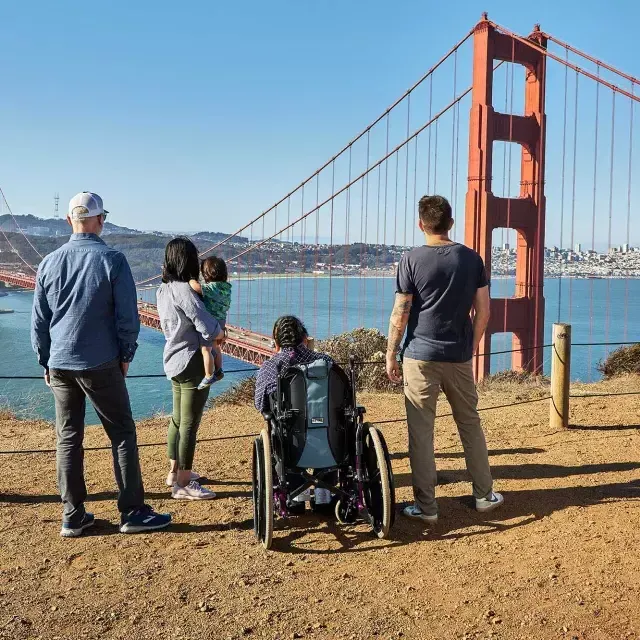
x=443 y=280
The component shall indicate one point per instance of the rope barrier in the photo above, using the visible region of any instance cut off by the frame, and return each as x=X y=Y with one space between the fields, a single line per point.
x=366 y=362
x=601 y=344
x=252 y=369
x=253 y=435
x=606 y=395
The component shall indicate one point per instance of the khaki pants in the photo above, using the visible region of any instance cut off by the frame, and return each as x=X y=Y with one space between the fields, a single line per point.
x=422 y=384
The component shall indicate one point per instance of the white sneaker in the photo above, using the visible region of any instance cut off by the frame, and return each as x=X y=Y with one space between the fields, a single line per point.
x=173 y=477
x=415 y=513
x=305 y=496
x=491 y=502
x=193 y=491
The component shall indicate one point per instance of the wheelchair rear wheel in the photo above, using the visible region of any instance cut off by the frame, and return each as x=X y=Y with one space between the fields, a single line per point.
x=379 y=494
x=263 y=489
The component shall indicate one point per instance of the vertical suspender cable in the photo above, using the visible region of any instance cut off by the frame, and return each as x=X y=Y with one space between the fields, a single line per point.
x=573 y=187
x=564 y=160
x=429 y=137
x=593 y=218
x=302 y=254
x=415 y=192
x=406 y=173
x=384 y=228
x=364 y=215
x=315 y=277
x=453 y=135
x=626 y=281
x=333 y=198
x=346 y=248
x=613 y=135
x=378 y=238
x=288 y=248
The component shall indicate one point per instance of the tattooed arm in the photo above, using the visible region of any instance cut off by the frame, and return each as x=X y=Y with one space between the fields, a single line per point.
x=397 y=326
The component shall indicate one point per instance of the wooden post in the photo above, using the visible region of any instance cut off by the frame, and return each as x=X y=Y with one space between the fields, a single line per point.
x=560 y=376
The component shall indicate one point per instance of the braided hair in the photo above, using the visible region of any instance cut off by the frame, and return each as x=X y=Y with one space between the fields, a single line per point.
x=289 y=332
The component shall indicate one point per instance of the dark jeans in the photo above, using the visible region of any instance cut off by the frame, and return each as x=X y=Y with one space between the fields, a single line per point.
x=106 y=389
x=188 y=405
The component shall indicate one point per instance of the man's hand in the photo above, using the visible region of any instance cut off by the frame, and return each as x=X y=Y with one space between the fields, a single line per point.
x=393 y=368
x=124 y=367
x=47 y=378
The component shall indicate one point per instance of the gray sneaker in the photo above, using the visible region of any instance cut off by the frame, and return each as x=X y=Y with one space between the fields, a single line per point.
x=491 y=502
x=415 y=513
x=193 y=491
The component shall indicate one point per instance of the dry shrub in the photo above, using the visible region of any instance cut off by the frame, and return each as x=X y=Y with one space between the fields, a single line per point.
x=522 y=385
x=621 y=362
x=241 y=393
x=365 y=345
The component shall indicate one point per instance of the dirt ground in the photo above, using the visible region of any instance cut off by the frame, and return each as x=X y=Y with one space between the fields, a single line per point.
x=560 y=560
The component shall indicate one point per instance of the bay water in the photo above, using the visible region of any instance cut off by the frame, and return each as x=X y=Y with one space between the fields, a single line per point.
x=599 y=310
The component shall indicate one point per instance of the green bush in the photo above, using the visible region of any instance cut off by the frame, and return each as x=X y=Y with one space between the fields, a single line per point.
x=621 y=362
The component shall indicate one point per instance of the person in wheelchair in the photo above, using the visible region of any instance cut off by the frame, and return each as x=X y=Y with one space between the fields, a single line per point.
x=315 y=439
x=291 y=344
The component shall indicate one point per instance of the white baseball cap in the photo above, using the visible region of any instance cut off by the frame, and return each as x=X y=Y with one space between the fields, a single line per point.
x=86 y=205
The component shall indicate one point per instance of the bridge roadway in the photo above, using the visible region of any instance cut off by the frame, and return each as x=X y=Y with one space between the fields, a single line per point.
x=243 y=344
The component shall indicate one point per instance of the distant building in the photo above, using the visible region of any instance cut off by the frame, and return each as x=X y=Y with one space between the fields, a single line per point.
x=577 y=248
x=625 y=248
x=505 y=246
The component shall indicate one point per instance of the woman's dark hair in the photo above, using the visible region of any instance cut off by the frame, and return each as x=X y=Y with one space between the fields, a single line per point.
x=181 y=262
x=214 y=269
x=288 y=331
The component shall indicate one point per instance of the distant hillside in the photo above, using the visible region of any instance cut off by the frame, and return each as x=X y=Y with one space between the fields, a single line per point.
x=52 y=227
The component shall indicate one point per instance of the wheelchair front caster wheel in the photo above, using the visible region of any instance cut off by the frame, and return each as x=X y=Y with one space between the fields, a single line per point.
x=345 y=513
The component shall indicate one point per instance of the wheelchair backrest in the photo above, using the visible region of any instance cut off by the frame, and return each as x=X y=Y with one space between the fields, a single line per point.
x=318 y=433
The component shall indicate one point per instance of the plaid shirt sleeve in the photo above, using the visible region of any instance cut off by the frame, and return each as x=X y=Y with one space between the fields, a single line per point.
x=266 y=383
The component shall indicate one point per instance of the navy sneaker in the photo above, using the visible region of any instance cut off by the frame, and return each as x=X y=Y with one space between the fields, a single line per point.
x=70 y=531
x=143 y=519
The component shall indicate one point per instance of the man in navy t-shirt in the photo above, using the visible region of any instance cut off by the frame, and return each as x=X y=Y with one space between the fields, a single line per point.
x=437 y=287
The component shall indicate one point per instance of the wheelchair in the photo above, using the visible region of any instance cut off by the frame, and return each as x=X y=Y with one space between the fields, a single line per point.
x=316 y=437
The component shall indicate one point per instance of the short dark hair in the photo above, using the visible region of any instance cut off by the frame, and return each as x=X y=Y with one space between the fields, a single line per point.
x=288 y=331
x=181 y=262
x=435 y=214
x=214 y=269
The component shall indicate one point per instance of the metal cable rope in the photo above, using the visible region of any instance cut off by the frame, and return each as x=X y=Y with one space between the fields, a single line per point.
x=253 y=435
x=548 y=54
x=367 y=362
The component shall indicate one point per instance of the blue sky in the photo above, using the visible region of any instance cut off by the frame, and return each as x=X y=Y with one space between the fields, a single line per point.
x=199 y=115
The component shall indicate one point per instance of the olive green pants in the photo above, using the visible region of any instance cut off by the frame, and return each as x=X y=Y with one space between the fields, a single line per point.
x=188 y=405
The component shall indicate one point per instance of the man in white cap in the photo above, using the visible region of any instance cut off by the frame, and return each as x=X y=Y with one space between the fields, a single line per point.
x=84 y=329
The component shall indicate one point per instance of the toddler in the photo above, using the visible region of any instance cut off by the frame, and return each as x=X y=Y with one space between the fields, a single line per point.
x=216 y=295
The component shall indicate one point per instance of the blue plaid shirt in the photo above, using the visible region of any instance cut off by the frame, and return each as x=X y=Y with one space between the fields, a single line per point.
x=267 y=381
x=85 y=311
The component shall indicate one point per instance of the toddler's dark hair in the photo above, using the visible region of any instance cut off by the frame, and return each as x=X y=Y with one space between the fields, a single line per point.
x=214 y=269
x=288 y=331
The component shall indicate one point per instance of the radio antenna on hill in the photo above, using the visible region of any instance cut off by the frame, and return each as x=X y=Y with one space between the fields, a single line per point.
x=56 y=200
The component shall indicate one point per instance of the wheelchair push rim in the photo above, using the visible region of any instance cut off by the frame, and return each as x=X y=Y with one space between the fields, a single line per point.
x=379 y=494
x=263 y=505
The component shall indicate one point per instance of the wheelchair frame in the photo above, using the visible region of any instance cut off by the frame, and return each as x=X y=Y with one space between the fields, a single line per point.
x=355 y=488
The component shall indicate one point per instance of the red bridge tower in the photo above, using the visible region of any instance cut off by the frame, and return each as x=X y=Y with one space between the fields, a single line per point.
x=523 y=315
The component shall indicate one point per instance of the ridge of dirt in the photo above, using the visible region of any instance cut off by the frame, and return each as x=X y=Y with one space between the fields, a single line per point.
x=559 y=560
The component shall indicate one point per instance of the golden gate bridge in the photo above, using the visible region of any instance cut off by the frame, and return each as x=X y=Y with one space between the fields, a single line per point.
x=363 y=199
